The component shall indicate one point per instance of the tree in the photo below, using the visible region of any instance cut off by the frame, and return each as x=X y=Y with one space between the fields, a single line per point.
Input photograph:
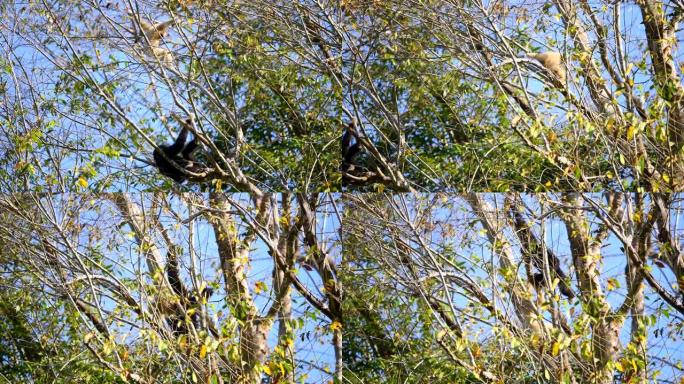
x=443 y=96
x=146 y=279
x=449 y=99
x=133 y=277
x=90 y=96
x=443 y=292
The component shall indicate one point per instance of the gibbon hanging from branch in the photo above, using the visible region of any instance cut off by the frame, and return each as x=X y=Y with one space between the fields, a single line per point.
x=537 y=258
x=349 y=150
x=153 y=34
x=188 y=309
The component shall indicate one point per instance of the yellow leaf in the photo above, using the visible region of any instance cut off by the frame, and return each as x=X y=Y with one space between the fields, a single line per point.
x=619 y=367
x=267 y=370
x=555 y=349
x=260 y=286
x=630 y=132
x=203 y=351
x=107 y=348
x=82 y=182
x=336 y=325
x=666 y=178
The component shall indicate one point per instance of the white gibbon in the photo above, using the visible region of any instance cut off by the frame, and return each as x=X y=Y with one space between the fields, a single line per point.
x=153 y=34
x=553 y=61
x=163 y=54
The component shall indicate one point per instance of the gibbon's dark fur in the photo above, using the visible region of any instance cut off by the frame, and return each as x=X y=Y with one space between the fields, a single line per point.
x=177 y=322
x=554 y=266
x=534 y=259
x=180 y=153
x=539 y=280
x=188 y=301
x=349 y=150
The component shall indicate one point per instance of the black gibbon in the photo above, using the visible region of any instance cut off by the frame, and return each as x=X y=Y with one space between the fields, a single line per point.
x=191 y=308
x=535 y=259
x=357 y=171
x=556 y=272
x=180 y=154
x=349 y=150
x=539 y=281
x=190 y=304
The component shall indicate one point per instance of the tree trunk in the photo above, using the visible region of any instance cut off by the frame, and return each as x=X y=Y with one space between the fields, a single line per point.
x=234 y=255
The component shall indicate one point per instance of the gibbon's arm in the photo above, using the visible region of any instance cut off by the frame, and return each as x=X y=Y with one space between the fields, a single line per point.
x=346 y=141
x=349 y=150
x=191 y=304
x=178 y=145
x=556 y=270
x=187 y=122
x=146 y=28
x=351 y=153
x=152 y=34
x=186 y=125
x=173 y=274
x=187 y=153
x=155 y=33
